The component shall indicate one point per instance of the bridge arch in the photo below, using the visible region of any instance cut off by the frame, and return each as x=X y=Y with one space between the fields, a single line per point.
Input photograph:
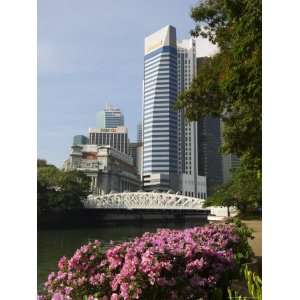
x=143 y=200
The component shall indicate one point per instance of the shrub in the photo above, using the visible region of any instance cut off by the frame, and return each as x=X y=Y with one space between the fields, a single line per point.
x=254 y=285
x=243 y=251
x=169 y=264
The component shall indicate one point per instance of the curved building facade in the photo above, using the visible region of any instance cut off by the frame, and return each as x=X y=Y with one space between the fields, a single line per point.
x=159 y=114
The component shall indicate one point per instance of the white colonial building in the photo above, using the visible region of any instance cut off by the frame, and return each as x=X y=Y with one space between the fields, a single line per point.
x=109 y=169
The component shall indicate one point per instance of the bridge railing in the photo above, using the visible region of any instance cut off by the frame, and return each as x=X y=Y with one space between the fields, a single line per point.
x=144 y=200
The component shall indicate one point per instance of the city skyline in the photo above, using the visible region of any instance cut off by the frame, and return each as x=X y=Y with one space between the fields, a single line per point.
x=81 y=67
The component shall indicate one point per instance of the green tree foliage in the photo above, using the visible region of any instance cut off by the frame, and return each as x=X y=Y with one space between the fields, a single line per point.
x=243 y=191
x=75 y=186
x=41 y=162
x=246 y=189
x=58 y=190
x=223 y=196
x=229 y=84
x=48 y=176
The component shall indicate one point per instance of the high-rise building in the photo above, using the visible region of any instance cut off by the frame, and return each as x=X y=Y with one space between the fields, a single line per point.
x=117 y=138
x=209 y=155
x=190 y=183
x=209 y=146
x=159 y=114
x=133 y=151
x=136 y=152
x=110 y=117
x=230 y=161
x=139 y=135
x=80 y=140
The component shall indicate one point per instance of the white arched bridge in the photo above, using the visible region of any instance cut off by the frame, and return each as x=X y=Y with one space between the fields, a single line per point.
x=143 y=200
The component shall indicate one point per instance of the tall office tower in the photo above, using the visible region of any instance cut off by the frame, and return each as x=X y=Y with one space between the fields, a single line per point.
x=133 y=152
x=159 y=114
x=136 y=152
x=230 y=161
x=139 y=136
x=191 y=184
x=209 y=155
x=110 y=117
x=117 y=138
x=209 y=146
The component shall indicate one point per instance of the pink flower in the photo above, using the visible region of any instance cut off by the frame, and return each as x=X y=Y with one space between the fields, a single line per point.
x=196 y=257
x=114 y=296
x=57 y=296
x=62 y=263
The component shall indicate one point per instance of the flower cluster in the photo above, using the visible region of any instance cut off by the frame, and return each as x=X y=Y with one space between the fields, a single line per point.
x=168 y=264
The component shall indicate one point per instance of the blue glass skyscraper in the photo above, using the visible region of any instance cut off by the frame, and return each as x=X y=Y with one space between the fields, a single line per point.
x=159 y=114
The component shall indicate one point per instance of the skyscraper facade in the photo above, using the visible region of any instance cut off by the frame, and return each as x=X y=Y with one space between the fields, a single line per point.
x=190 y=183
x=209 y=155
x=117 y=138
x=209 y=146
x=110 y=117
x=139 y=134
x=159 y=114
x=230 y=161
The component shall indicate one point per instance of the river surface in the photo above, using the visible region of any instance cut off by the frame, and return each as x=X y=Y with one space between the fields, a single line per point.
x=54 y=244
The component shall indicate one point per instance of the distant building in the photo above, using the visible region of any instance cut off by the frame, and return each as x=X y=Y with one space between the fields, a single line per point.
x=136 y=152
x=139 y=136
x=80 y=140
x=209 y=155
x=191 y=182
x=230 y=163
x=109 y=169
x=139 y=159
x=110 y=117
x=209 y=146
x=115 y=137
x=133 y=151
x=159 y=114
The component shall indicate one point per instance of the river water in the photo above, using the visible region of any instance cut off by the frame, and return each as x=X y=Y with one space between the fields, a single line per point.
x=54 y=244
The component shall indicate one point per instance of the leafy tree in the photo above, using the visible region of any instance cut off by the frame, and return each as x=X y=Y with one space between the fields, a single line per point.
x=58 y=190
x=75 y=186
x=48 y=176
x=42 y=199
x=41 y=162
x=223 y=196
x=229 y=84
x=243 y=191
x=246 y=189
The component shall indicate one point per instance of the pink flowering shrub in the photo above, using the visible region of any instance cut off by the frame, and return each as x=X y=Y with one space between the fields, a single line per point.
x=168 y=264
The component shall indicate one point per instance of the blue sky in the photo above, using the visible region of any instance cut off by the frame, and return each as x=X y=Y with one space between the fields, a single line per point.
x=91 y=53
